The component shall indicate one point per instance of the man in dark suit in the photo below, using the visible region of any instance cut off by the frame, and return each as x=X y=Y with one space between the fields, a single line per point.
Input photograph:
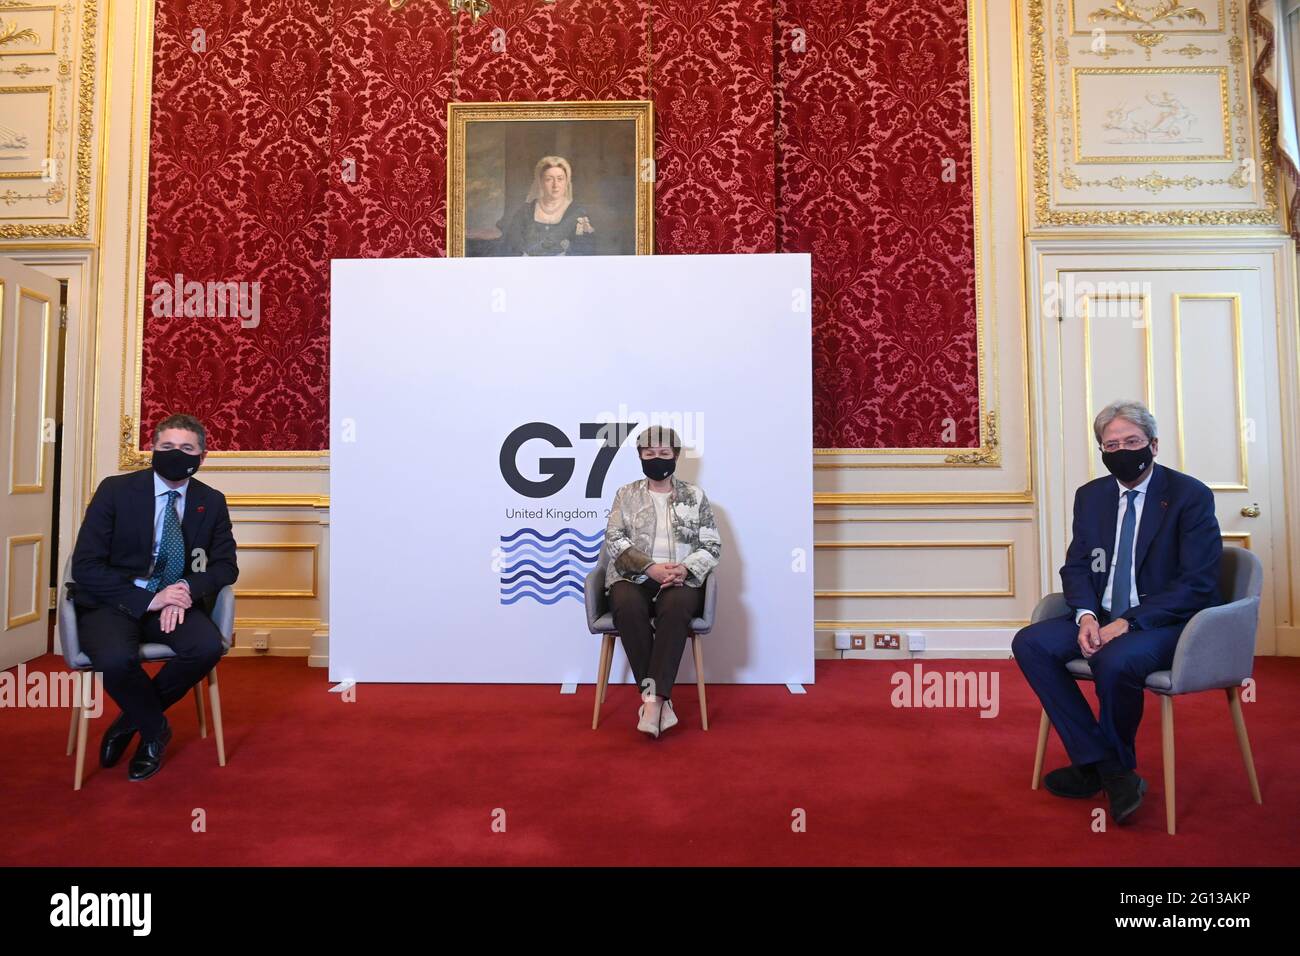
x=1144 y=558
x=154 y=546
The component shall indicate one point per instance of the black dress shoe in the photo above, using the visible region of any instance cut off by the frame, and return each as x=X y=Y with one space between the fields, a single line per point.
x=115 y=741
x=1076 y=782
x=1125 y=793
x=148 y=756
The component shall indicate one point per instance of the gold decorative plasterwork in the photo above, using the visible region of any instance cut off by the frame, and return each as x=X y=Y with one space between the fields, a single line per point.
x=988 y=453
x=129 y=458
x=1165 y=12
x=15 y=33
x=1225 y=111
x=1249 y=169
x=76 y=84
x=1189 y=50
x=1137 y=16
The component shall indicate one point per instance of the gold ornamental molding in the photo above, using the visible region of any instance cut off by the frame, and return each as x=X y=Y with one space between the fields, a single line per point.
x=1007 y=547
x=15 y=33
x=76 y=133
x=1163 y=12
x=1130 y=20
x=988 y=453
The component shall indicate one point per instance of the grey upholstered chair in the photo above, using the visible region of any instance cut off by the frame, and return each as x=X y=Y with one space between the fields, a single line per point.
x=223 y=615
x=1216 y=651
x=600 y=620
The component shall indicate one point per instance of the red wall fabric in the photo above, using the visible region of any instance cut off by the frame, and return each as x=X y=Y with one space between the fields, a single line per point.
x=238 y=177
x=868 y=114
x=715 y=127
x=251 y=143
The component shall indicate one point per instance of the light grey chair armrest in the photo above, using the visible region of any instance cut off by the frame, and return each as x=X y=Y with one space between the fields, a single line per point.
x=593 y=592
x=1053 y=605
x=597 y=601
x=1217 y=648
x=69 y=640
x=704 y=623
x=223 y=615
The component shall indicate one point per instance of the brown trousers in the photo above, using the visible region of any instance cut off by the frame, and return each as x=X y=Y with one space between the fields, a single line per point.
x=654 y=623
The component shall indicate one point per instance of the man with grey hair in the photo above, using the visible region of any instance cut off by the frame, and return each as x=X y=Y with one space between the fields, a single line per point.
x=1143 y=558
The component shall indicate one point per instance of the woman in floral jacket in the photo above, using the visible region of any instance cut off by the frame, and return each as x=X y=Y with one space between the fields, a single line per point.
x=661 y=543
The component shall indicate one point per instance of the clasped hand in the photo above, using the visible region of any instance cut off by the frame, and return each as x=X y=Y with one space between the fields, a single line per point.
x=172 y=601
x=1093 y=637
x=668 y=575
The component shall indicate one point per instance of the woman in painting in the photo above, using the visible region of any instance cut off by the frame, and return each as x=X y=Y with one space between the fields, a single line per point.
x=549 y=223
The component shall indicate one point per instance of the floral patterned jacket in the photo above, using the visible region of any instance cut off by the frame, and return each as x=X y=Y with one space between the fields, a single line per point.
x=630 y=534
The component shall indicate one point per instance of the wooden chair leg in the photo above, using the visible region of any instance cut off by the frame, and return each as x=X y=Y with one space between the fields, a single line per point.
x=198 y=706
x=608 y=650
x=1044 y=725
x=1243 y=741
x=602 y=675
x=699 y=680
x=217 y=729
x=1167 y=737
x=83 y=731
x=76 y=714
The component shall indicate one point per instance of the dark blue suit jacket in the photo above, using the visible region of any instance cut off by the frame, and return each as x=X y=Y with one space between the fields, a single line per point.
x=115 y=543
x=1176 y=553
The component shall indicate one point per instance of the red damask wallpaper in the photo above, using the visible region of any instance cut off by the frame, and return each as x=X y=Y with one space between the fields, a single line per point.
x=238 y=178
x=305 y=132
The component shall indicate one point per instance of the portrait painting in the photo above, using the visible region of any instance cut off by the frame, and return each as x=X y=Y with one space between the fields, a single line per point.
x=550 y=179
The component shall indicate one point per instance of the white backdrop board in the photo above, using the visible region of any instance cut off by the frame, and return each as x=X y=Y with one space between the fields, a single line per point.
x=466 y=503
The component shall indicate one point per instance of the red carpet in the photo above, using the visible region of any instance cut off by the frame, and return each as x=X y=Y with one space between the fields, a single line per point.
x=411 y=774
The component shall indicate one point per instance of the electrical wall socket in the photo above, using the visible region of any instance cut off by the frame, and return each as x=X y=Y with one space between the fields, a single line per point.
x=858 y=642
x=887 y=642
x=261 y=641
x=843 y=640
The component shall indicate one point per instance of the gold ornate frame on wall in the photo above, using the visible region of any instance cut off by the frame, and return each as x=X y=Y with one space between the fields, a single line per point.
x=130 y=455
x=460 y=115
x=26 y=227
x=1041 y=147
x=989 y=452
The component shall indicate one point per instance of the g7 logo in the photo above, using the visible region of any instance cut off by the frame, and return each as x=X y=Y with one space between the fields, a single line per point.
x=560 y=470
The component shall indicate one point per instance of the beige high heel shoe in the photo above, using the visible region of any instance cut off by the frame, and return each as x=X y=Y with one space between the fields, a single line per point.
x=645 y=726
x=667 y=717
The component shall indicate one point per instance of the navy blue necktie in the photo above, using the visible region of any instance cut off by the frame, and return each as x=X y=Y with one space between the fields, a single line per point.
x=1123 y=584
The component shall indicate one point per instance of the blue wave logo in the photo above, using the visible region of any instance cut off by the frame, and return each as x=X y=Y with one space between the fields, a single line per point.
x=547 y=568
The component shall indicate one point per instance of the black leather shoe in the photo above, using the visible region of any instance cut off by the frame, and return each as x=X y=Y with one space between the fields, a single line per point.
x=1075 y=782
x=1125 y=794
x=115 y=741
x=148 y=756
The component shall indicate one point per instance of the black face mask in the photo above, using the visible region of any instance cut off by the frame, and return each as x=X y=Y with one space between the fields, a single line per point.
x=174 y=464
x=657 y=469
x=1126 y=465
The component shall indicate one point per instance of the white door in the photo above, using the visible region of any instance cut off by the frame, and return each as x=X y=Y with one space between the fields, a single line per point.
x=29 y=303
x=1193 y=344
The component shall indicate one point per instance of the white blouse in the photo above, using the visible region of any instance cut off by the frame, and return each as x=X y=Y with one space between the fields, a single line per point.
x=663 y=550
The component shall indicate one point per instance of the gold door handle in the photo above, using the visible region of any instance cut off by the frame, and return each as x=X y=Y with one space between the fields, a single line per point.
x=1251 y=512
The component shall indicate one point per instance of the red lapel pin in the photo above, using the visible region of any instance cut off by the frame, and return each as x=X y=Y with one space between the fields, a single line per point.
x=200 y=509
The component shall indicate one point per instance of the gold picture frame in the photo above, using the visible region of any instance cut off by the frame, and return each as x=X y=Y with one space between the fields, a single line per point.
x=493 y=151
